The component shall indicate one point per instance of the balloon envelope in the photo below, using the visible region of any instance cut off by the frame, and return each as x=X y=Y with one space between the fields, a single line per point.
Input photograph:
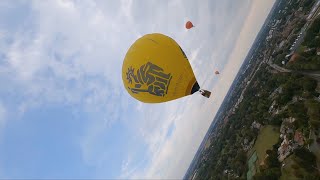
x=156 y=69
x=217 y=72
x=189 y=25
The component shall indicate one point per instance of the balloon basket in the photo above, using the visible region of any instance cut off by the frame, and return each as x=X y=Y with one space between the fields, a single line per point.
x=205 y=93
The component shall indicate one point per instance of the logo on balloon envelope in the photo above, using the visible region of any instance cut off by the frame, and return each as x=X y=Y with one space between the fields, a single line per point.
x=149 y=78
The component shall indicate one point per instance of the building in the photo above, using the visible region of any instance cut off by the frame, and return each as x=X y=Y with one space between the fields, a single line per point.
x=284 y=150
x=298 y=137
x=256 y=125
x=294 y=57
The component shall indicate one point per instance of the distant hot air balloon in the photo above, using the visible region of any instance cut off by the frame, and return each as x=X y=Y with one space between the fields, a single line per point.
x=156 y=69
x=217 y=72
x=189 y=25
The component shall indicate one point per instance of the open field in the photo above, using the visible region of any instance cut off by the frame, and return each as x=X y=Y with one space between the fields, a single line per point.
x=267 y=137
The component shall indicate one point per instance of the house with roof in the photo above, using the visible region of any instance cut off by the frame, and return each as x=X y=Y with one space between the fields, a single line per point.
x=285 y=149
x=298 y=137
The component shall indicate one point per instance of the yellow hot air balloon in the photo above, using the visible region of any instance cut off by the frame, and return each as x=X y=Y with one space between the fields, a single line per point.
x=156 y=69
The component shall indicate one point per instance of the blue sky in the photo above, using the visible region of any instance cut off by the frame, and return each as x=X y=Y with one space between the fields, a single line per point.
x=64 y=112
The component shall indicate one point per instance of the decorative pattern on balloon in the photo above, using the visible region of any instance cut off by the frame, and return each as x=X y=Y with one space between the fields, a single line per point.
x=149 y=78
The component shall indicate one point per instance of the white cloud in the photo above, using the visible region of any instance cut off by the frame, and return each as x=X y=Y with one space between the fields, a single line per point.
x=71 y=54
x=67 y=53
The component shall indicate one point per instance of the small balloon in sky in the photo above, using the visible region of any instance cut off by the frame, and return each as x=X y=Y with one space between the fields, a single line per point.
x=155 y=70
x=189 y=25
x=217 y=72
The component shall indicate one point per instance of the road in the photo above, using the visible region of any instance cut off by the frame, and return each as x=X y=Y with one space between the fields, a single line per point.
x=314 y=13
x=313 y=74
x=299 y=39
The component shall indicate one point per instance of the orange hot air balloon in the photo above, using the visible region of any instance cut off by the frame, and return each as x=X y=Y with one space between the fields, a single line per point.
x=217 y=72
x=189 y=25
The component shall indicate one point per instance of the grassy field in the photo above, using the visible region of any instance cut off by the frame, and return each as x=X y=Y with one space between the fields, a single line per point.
x=267 y=137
